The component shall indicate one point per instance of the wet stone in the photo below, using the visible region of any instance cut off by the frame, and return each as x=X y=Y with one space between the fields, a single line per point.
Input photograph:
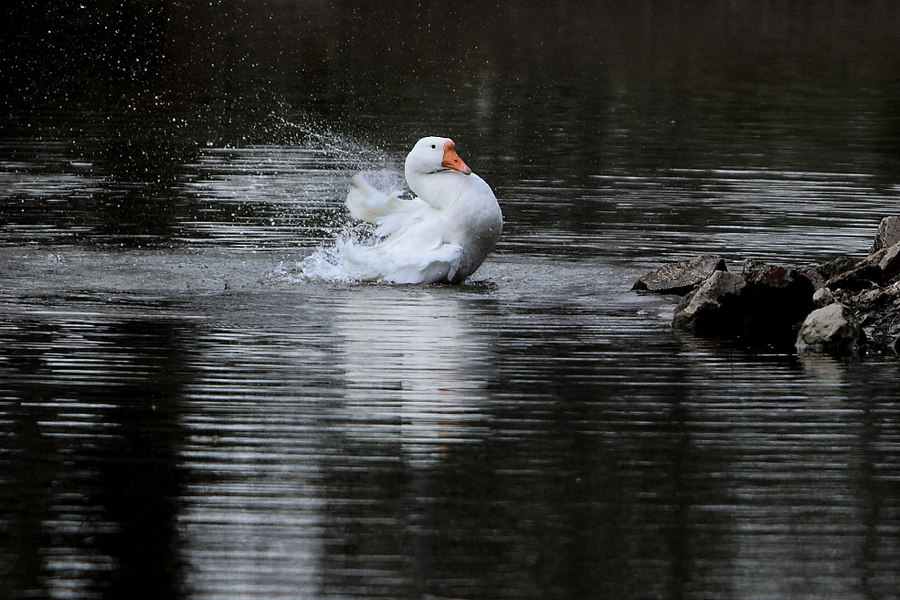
x=777 y=299
x=831 y=329
x=773 y=276
x=681 y=277
x=878 y=310
x=888 y=233
x=820 y=273
x=823 y=297
x=860 y=278
x=890 y=260
x=714 y=308
x=763 y=306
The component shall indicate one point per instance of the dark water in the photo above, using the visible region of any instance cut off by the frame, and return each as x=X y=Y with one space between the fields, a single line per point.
x=182 y=416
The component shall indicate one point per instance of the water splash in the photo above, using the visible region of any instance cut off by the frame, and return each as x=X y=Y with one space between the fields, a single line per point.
x=285 y=192
x=329 y=263
x=294 y=186
x=332 y=263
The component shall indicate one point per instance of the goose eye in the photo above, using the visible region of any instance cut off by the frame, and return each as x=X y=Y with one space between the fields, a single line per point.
x=433 y=146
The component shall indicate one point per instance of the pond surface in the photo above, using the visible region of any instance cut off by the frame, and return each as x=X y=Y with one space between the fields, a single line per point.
x=183 y=415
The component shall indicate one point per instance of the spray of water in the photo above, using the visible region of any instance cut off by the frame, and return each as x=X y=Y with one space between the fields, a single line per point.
x=329 y=262
x=286 y=188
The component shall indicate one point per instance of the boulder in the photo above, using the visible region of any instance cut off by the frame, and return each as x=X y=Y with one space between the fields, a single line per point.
x=864 y=275
x=762 y=307
x=889 y=261
x=878 y=311
x=818 y=274
x=823 y=297
x=831 y=329
x=776 y=300
x=756 y=272
x=873 y=271
x=681 y=277
x=714 y=307
x=888 y=234
x=841 y=306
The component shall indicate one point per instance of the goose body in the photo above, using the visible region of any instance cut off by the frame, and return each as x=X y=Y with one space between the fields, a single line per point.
x=443 y=234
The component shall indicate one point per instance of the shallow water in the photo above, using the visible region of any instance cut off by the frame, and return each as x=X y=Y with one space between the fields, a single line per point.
x=183 y=415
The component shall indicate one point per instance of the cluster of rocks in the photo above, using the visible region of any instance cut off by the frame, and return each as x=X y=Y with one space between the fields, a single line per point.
x=842 y=307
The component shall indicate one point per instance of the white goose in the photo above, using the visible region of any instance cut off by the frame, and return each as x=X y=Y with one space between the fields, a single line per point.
x=442 y=235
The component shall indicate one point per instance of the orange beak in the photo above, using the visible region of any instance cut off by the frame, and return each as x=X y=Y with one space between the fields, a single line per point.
x=452 y=159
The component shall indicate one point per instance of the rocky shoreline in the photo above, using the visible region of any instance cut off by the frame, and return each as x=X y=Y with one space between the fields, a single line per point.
x=843 y=307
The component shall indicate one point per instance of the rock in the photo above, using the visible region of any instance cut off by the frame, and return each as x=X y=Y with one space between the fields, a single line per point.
x=777 y=299
x=831 y=329
x=762 y=307
x=863 y=276
x=681 y=277
x=878 y=311
x=842 y=306
x=713 y=308
x=874 y=270
x=818 y=274
x=889 y=262
x=888 y=234
x=756 y=272
x=823 y=297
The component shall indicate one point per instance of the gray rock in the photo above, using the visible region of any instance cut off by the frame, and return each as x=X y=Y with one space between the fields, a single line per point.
x=890 y=260
x=680 y=277
x=763 y=307
x=878 y=311
x=842 y=306
x=713 y=308
x=843 y=274
x=888 y=233
x=823 y=297
x=818 y=274
x=830 y=329
x=776 y=300
x=773 y=276
x=862 y=276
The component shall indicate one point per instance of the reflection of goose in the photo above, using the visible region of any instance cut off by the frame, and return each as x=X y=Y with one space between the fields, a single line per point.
x=443 y=234
x=419 y=386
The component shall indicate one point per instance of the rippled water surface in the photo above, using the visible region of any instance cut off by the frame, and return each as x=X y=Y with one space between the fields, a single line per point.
x=183 y=415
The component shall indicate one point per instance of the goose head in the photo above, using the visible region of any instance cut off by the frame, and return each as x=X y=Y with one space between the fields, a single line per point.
x=433 y=155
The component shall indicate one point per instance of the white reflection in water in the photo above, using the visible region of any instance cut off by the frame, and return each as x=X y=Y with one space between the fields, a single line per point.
x=413 y=369
x=252 y=518
x=367 y=376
